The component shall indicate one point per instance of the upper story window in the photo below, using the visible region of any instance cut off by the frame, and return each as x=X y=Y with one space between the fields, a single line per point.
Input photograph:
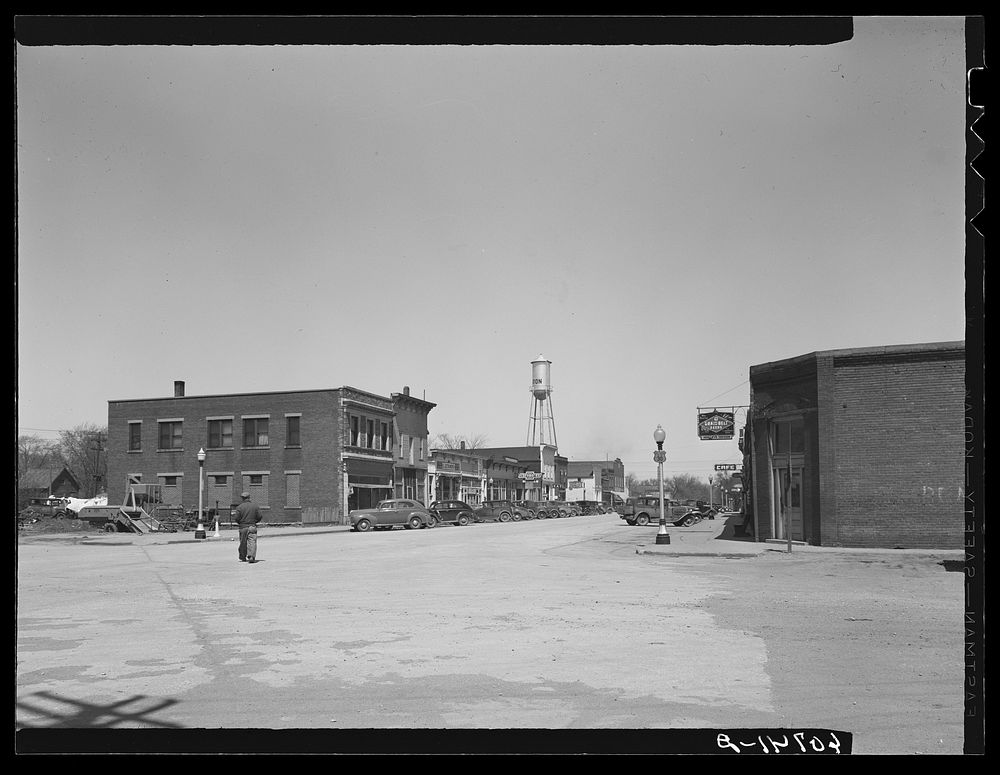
x=135 y=437
x=384 y=437
x=171 y=434
x=355 y=431
x=220 y=434
x=370 y=440
x=789 y=437
x=292 y=437
x=255 y=431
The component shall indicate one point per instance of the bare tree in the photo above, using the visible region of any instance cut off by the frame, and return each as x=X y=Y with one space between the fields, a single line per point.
x=84 y=452
x=35 y=452
x=449 y=441
x=688 y=487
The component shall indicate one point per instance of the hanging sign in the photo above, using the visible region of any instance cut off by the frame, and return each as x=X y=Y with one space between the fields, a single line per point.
x=716 y=425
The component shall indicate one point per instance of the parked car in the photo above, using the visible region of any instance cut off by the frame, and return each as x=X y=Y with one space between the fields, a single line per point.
x=524 y=509
x=390 y=513
x=644 y=510
x=565 y=508
x=453 y=512
x=44 y=507
x=495 y=511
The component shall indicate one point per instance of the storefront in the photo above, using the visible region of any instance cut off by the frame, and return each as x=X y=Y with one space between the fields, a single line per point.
x=368 y=482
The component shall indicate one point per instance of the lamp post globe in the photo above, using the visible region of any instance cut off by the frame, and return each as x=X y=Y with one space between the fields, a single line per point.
x=200 y=531
x=659 y=436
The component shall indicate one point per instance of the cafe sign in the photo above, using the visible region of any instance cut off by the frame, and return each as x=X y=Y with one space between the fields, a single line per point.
x=529 y=476
x=716 y=425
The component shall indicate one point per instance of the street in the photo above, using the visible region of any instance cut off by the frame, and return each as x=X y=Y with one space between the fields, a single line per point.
x=554 y=625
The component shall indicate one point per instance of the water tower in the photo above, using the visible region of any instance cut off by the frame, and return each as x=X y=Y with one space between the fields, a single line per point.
x=541 y=424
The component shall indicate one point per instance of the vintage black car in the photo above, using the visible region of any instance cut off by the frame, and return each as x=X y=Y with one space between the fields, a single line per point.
x=453 y=512
x=495 y=511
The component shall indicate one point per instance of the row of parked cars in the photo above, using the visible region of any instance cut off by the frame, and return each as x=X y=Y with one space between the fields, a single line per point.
x=413 y=515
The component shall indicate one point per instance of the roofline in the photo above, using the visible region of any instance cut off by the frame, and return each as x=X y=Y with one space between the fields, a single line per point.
x=916 y=349
x=256 y=393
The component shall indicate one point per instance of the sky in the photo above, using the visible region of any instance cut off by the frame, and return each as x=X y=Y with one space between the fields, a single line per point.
x=652 y=219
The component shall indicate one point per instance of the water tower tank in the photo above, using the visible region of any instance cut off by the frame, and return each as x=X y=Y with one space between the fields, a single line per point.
x=540 y=384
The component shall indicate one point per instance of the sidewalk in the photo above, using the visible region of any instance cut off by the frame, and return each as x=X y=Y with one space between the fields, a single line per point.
x=718 y=538
x=98 y=538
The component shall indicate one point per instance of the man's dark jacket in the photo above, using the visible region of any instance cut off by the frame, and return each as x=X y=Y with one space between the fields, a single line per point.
x=247 y=514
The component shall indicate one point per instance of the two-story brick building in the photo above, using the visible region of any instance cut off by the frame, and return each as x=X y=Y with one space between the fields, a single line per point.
x=304 y=455
x=861 y=447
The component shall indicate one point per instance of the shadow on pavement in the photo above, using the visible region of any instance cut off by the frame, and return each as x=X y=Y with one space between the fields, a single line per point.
x=734 y=530
x=59 y=712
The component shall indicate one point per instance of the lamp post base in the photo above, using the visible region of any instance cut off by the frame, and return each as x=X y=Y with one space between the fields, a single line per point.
x=663 y=537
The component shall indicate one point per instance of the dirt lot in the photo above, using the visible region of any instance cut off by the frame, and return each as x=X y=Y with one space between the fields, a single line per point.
x=55 y=525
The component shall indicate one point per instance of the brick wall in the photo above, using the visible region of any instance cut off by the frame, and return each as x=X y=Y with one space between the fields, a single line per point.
x=885 y=446
x=895 y=456
x=318 y=458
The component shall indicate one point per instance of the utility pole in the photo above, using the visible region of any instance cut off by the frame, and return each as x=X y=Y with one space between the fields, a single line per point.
x=97 y=463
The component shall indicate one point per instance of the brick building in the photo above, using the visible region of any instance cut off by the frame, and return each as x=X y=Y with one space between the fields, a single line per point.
x=862 y=447
x=304 y=455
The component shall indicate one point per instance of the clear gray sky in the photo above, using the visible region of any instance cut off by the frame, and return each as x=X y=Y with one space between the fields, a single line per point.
x=652 y=219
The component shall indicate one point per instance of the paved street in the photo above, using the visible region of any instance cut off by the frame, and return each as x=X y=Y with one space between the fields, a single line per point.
x=574 y=624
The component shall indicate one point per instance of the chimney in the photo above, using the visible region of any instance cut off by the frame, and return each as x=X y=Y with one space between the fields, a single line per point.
x=178 y=389
x=406 y=390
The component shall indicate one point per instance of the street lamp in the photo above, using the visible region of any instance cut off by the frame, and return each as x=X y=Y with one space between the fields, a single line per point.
x=659 y=436
x=200 y=532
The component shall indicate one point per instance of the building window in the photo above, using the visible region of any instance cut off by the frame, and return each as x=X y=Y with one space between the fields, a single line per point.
x=355 y=430
x=292 y=490
x=292 y=438
x=370 y=440
x=789 y=437
x=169 y=481
x=220 y=434
x=385 y=437
x=171 y=434
x=255 y=431
x=221 y=481
x=135 y=437
x=402 y=445
x=256 y=484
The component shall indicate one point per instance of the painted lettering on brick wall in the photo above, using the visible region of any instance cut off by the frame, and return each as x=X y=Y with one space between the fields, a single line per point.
x=931 y=494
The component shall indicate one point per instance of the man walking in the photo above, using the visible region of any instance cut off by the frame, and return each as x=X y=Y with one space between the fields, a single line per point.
x=247 y=517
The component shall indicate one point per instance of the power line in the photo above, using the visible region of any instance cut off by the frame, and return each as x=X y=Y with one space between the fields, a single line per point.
x=745 y=382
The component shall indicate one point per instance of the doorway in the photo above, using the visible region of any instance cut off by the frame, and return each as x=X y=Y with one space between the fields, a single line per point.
x=786 y=482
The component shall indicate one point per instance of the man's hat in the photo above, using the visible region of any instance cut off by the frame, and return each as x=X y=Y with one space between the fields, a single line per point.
x=245 y=495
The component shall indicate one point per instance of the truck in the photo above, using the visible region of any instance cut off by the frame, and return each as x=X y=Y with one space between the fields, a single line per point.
x=42 y=507
x=644 y=509
x=141 y=511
